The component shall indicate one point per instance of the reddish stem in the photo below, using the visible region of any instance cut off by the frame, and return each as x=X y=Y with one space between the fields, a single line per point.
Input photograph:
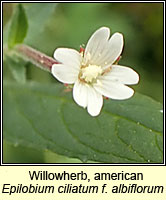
x=36 y=57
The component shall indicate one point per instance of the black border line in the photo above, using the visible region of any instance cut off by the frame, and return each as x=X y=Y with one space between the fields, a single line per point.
x=81 y=164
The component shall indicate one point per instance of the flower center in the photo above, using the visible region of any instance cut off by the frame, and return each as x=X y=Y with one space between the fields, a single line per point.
x=90 y=73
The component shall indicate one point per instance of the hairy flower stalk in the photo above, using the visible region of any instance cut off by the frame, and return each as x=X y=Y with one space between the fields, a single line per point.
x=36 y=57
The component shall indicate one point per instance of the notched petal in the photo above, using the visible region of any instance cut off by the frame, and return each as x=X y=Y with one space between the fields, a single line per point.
x=64 y=73
x=122 y=74
x=96 y=44
x=68 y=57
x=114 y=90
x=112 y=50
x=80 y=94
x=95 y=102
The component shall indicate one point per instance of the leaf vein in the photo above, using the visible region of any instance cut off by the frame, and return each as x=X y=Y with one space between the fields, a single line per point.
x=157 y=145
x=86 y=145
x=128 y=145
x=130 y=120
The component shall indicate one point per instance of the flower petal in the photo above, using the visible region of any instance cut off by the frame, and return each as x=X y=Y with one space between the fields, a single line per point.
x=80 y=94
x=68 y=70
x=95 y=102
x=112 y=50
x=68 y=57
x=86 y=96
x=65 y=73
x=96 y=44
x=122 y=74
x=113 y=90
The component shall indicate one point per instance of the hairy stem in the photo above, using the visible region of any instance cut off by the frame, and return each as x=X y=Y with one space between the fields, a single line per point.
x=36 y=57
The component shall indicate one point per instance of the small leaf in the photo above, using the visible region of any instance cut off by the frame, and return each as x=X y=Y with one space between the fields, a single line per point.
x=45 y=117
x=18 y=27
x=38 y=15
x=17 y=68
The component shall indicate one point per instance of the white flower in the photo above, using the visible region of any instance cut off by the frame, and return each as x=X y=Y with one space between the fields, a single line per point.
x=94 y=72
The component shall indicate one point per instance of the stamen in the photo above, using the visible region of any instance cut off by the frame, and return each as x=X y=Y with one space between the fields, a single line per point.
x=106 y=70
x=82 y=50
x=90 y=73
x=106 y=98
x=117 y=60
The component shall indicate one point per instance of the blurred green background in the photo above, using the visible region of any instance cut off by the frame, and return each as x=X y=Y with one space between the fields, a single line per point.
x=71 y=25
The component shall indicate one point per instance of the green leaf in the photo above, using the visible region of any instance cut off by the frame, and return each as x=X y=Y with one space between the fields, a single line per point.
x=19 y=154
x=18 y=27
x=17 y=68
x=43 y=116
x=38 y=15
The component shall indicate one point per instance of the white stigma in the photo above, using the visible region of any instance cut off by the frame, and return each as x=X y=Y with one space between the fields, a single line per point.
x=90 y=73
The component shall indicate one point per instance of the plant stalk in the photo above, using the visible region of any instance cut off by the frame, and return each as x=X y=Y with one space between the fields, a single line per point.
x=36 y=57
